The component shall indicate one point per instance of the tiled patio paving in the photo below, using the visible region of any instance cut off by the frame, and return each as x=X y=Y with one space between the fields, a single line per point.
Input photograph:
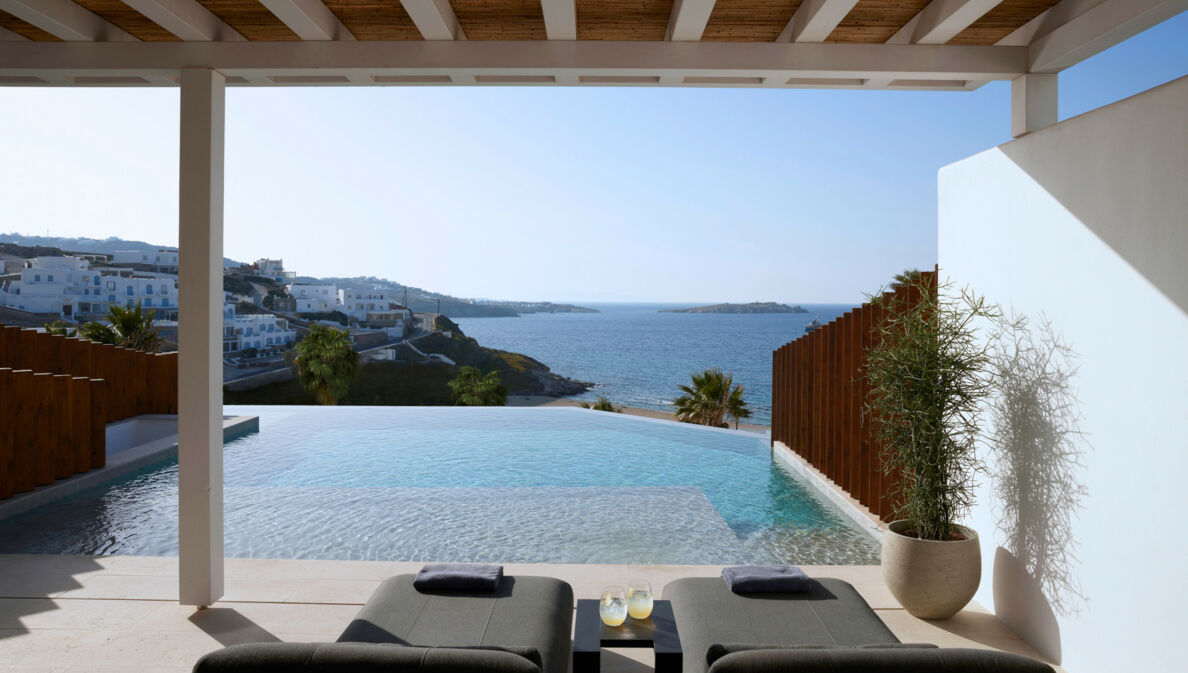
x=108 y=614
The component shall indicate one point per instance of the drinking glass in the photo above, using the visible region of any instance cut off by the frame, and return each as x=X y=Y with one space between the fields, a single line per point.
x=613 y=607
x=639 y=599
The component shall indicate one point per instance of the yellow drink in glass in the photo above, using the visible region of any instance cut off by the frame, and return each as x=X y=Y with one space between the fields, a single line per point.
x=639 y=599
x=612 y=609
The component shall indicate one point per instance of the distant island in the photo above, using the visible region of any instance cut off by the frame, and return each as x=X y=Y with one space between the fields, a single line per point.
x=753 y=307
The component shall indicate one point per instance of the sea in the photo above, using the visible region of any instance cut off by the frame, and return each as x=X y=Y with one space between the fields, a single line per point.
x=637 y=356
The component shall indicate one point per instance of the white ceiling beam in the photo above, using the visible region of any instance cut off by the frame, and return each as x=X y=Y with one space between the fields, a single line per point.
x=436 y=20
x=1099 y=29
x=65 y=20
x=1048 y=21
x=560 y=19
x=186 y=19
x=340 y=62
x=7 y=35
x=941 y=21
x=688 y=19
x=814 y=20
x=309 y=19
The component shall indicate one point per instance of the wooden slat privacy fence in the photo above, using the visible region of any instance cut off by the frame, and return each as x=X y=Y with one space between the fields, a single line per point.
x=818 y=395
x=57 y=394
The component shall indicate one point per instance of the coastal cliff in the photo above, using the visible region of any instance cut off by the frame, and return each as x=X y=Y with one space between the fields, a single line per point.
x=416 y=379
x=521 y=374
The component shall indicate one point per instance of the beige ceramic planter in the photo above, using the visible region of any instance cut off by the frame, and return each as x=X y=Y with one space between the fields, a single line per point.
x=930 y=579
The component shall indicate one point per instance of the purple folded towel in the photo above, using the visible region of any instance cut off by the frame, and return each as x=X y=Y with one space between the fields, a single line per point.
x=766 y=579
x=458 y=577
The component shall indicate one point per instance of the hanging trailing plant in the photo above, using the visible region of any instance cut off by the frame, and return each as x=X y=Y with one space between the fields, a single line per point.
x=929 y=373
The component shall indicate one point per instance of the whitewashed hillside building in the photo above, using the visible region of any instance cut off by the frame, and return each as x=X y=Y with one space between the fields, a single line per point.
x=162 y=259
x=69 y=287
x=274 y=269
x=358 y=303
x=264 y=332
x=315 y=298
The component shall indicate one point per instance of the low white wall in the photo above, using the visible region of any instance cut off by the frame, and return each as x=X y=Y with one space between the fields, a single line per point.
x=1085 y=225
x=125 y=434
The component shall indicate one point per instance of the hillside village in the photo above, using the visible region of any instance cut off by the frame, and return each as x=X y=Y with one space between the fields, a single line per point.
x=266 y=310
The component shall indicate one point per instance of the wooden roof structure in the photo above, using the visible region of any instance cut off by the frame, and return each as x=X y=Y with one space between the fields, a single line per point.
x=859 y=44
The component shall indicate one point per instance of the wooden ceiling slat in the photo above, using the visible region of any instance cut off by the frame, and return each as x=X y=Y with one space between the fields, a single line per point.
x=1002 y=21
x=251 y=19
x=622 y=19
x=130 y=20
x=500 y=19
x=749 y=20
x=375 y=19
x=870 y=22
x=25 y=29
x=875 y=21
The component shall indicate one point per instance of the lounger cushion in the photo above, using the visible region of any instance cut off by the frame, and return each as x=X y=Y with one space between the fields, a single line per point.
x=359 y=658
x=867 y=660
x=717 y=651
x=830 y=613
x=535 y=612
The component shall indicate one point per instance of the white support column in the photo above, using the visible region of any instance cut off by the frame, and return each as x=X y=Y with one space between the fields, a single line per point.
x=200 y=337
x=1034 y=103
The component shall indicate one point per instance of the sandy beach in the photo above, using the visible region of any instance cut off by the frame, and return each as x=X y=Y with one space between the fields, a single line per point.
x=543 y=401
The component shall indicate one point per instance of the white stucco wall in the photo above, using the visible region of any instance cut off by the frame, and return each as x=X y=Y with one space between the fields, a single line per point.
x=1086 y=223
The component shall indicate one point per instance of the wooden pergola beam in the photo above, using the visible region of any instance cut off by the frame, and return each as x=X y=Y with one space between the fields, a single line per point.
x=688 y=19
x=560 y=19
x=65 y=20
x=364 y=62
x=309 y=19
x=814 y=20
x=435 y=19
x=187 y=19
x=1098 y=29
x=942 y=20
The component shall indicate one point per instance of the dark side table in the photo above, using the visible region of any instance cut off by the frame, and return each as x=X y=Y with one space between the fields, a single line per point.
x=658 y=632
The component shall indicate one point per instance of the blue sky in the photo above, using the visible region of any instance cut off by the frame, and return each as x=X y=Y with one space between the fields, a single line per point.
x=546 y=193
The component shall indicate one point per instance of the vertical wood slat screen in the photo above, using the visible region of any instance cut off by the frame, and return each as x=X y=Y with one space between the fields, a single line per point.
x=57 y=394
x=818 y=395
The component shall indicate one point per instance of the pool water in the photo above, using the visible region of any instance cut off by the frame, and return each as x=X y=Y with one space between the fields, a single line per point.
x=549 y=485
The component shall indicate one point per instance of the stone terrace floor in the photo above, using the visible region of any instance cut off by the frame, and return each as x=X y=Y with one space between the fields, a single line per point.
x=108 y=614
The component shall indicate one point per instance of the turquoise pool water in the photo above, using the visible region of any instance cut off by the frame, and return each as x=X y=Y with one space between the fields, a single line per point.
x=553 y=485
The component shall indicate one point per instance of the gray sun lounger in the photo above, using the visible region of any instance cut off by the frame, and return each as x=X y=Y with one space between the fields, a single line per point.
x=523 y=627
x=828 y=629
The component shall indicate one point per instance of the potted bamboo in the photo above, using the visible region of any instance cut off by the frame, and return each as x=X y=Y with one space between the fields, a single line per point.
x=928 y=374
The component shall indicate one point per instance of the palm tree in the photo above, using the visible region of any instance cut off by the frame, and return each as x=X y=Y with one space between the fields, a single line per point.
x=710 y=399
x=59 y=328
x=736 y=406
x=472 y=389
x=326 y=363
x=125 y=327
x=908 y=278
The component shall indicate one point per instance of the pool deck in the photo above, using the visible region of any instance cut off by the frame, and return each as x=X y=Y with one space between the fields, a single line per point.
x=109 y=614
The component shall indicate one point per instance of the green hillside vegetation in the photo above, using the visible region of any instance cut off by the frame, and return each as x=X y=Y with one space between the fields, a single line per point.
x=378 y=384
x=409 y=382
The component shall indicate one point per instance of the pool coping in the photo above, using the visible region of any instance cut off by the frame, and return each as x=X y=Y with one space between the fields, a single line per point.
x=118 y=464
x=843 y=501
x=753 y=434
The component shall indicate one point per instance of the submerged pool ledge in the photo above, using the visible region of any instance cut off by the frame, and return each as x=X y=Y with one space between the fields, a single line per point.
x=131 y=444
x=839 y=498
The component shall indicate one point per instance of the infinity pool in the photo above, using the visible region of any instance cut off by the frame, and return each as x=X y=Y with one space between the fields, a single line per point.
x=551 y=485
